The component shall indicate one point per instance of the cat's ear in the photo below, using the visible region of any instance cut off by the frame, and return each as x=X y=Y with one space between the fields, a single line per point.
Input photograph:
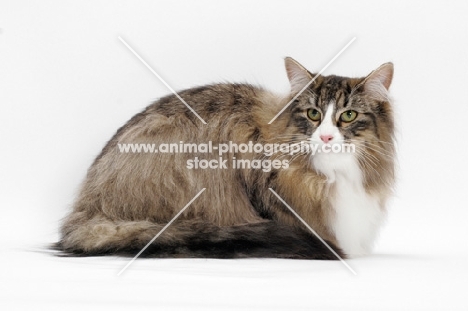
x=298 y=76
x=377 y=83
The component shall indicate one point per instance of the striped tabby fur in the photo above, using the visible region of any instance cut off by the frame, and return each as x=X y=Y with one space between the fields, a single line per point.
x=127 y=198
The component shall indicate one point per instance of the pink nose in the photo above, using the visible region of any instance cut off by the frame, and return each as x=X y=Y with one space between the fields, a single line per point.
x=326 y=138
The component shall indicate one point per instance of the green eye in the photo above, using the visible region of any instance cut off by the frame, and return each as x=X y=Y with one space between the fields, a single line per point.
x=314 y=114
x=348 y=116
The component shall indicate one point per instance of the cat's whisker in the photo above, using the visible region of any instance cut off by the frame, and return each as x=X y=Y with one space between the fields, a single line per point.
x=390 y=145
x=368 y=165
x=367 y=160
x=297 y=156
x=376 y=149
x=363 y=150
x=382 y=153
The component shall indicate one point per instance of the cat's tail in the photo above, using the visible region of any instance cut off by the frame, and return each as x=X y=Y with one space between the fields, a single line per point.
x=192 y=239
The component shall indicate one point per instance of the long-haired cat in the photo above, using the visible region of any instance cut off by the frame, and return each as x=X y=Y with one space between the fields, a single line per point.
x=127 y=198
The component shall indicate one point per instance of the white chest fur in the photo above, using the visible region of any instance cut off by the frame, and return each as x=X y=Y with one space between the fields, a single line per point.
x=357 y=215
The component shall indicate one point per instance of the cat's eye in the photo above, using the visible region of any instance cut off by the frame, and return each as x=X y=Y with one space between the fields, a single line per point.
x=314 y=114
x=348 y=116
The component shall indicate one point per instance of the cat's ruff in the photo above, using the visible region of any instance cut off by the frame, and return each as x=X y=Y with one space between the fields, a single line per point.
x=357 y=214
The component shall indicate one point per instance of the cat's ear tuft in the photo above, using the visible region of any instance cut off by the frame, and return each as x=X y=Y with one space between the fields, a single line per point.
x=377 y=83
x=298 y=76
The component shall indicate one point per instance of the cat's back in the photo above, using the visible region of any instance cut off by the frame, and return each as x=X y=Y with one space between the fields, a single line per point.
x=211 y=102
x=230 y=112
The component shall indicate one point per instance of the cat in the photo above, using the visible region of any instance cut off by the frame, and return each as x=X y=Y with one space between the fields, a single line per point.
x=128 y=197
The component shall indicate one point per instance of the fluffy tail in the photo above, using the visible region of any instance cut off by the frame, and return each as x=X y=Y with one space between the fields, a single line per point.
x=192 y=239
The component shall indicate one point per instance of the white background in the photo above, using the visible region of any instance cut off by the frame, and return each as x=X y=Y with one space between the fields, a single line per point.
x=67 y=83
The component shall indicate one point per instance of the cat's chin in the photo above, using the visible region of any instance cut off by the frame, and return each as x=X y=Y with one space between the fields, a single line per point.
x=333 y=164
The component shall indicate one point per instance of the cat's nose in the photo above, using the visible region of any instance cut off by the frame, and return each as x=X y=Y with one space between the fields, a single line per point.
x=326 y=138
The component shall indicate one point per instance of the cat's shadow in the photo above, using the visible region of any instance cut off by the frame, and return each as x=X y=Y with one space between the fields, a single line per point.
x=393 y=256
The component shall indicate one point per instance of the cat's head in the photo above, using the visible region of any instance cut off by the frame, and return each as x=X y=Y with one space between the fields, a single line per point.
x=334 y=111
